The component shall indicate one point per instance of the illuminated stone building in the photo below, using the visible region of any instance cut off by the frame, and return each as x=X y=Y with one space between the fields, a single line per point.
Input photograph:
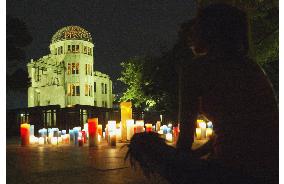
x=66 y=77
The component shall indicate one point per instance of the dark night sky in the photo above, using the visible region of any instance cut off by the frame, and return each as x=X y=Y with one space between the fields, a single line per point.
x=120 y=29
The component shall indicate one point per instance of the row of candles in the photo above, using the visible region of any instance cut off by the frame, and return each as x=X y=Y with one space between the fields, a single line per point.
x=204 y=130
x=92 y=131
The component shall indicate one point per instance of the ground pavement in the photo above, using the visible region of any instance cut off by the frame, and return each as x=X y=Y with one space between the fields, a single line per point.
x=70 y=164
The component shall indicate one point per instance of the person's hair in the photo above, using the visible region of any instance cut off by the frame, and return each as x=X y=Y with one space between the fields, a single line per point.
x=222 y=28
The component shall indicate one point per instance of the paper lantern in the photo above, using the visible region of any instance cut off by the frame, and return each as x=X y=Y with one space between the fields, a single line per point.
x=158 y=125
x=198 y=133
x=71 y=135
x=93 y=131
x=84 y=136
x=80 y=141
x=118 y=134
x=76 y=135
x=209 y=133
x=54 y=140
x=33 y=139
x=32 y=129
x=130 y=128
x=202 y=125
x=63 y=132
x=112 y=138
x=148 y=127
x=99 y=138
x=169 y=137
x=126 y=113
x=139 y=126
x=41 y=140
x=25 y=134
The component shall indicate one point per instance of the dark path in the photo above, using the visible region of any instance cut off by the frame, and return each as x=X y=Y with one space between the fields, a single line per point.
x=70 y=164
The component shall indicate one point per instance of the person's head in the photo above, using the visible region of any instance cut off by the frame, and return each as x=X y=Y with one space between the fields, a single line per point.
x=220 y=29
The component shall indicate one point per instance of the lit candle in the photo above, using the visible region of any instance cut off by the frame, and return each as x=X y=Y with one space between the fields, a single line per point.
x=158 y=125
x=198 y=133
x=130 y=128
x=100 y=130
x=99 y=138
x=25 y=134
x=63 y=132
x=139 y=126
x=175 y=133
x=202 y=125
x=148 y=127
x=41 y=140
x=86 y=127
x=104 y=135
x=210 y=124
x=80 y=141
x=32 y=139
x=112 y=138
x=53 y=140
x=169 y=137
x=165 y=129
x=118 y=134
x=209 y=133
x=67 y=138
x=84 y=136
x=59 y=139
x=32 y=129
x=71 y=135
x=76 y=135
x=93 y=131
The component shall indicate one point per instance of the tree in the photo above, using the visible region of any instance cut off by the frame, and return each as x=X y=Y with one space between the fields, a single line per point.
x=17 y=39
x=131 y=76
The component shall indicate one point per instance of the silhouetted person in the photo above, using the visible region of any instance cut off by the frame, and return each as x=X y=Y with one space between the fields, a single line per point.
x=235 y=94
x=232 y=91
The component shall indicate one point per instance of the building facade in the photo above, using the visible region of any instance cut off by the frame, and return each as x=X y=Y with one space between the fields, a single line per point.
x=66 y=76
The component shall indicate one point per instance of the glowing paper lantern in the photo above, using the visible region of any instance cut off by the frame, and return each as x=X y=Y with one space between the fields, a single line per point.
x=169 y=137
x=139 y=126
x=33 y=139
x=59 y=140
x=165 y=129
x=130 y=128
x=100 y=130
x=93 y=131
x=25 y=134
x=63 y=132
x=112 y=138
x=198 y=133
x=84 y=136
x=80 y=141
x=86 y=127
x=148 y=127
x=209 y=133
x=71 y=135
x=76 y=135
x=118 y=134
x=111 y=126
x=99 y=138
x=202 y=125
x=175 y=133
x=41 y=141
x=158 y=125
x=54 y=140
x=126 y=113
x=32 y=130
